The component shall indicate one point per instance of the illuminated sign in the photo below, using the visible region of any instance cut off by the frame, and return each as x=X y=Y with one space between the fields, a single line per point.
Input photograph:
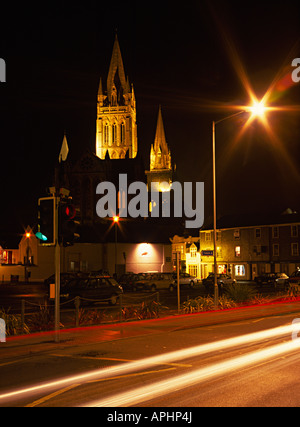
x=207 y=253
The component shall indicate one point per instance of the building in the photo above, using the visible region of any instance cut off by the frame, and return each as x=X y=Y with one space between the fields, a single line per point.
x=116 y=146
x=32 y=262
x=250 y=246
x=116 y=129
x=190 y=258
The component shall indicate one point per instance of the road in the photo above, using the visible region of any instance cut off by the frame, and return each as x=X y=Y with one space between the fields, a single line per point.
x=194 y=366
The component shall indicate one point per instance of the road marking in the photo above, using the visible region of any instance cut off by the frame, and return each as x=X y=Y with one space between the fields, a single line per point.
x=65 y=389
x=50 y=396
x=113 y=359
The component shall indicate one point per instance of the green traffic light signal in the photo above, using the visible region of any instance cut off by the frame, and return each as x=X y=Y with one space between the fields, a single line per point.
x=46 y=227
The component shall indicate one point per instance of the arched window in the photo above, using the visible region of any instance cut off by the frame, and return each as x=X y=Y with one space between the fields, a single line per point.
x=122 y=133
x=106 y=134
x=114 y=133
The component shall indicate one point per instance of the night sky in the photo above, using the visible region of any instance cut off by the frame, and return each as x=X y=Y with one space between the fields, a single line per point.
x=178 y=55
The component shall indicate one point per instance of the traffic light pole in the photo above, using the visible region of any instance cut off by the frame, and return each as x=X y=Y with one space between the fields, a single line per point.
x=57 y=272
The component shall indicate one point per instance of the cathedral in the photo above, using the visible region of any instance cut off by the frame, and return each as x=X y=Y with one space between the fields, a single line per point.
x=116 y=152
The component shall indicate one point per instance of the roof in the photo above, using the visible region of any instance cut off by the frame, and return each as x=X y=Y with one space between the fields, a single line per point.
x=252 y=220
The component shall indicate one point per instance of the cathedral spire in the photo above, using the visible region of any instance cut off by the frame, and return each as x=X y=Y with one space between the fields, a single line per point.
x=160 y=143
x=160 y=159
x=116 y=73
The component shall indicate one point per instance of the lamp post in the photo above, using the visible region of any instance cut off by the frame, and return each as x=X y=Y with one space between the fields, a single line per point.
x=257 y=109
x=116 y=220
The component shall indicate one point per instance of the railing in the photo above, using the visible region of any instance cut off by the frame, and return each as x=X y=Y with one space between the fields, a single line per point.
x=135 y=308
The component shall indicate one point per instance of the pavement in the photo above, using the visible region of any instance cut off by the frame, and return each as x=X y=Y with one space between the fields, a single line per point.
x=26 y=345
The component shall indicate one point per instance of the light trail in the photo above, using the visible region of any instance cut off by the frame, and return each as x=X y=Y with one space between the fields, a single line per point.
x=179 y=382
x=154 y=360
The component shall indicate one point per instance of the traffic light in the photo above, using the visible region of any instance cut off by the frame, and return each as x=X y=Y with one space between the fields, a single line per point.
x=46 y=225
x=69 y=221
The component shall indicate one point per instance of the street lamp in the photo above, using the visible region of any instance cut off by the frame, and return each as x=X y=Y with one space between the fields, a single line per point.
x=116 y=220
x=257 y=109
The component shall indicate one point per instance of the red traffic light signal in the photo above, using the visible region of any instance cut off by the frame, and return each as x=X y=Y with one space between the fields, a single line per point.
x=68 y=223
x=69 y=211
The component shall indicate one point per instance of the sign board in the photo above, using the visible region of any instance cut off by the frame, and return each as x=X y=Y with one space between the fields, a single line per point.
x=52 y=290
x=207 y=253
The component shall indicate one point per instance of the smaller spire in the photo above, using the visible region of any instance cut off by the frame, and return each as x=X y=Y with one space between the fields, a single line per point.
x=160 y=137
x=64 y=150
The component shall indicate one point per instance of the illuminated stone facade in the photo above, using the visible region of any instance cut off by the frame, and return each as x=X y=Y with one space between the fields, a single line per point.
x=116 y=131
x=116 y=145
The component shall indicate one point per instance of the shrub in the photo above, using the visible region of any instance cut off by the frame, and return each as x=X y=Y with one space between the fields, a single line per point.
x=207 y=304
x=42 y=320
x=146 y=310
x=239 y=292
x=198 y=304
x=13 y=323
x=91 y=316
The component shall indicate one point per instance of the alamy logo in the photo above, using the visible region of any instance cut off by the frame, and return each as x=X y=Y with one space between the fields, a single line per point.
x=296 y=72
x=2 y=71
x=146 y=203
x=2 y=330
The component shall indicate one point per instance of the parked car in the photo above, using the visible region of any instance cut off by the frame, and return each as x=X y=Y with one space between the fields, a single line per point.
x=222 y=280
x=295 y=277
x=272 y=279
x=128 y=281
x=281 y=279
x=64 y=278
x=185 y=279
x=92 y=288
x=156 y=281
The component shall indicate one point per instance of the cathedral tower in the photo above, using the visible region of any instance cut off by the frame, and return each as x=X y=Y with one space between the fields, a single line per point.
x=116 y=130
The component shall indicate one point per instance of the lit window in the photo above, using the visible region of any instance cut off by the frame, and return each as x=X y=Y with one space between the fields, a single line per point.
x=122 y=133
x=237 y=251
x=239 y=270
x=208 y=236
x=106 y=133
x=114 y=133
x=193 y=251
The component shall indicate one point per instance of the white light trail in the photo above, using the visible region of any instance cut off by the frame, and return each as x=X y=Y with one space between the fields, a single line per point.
x=164 y=387
x=152 y=361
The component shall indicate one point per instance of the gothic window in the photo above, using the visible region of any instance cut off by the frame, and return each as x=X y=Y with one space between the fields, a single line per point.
x=122 y=133
x=106 y=133
x=114 y=96
x=114 y=133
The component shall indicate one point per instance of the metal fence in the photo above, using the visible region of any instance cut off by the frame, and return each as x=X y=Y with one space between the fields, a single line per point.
x=85 y=311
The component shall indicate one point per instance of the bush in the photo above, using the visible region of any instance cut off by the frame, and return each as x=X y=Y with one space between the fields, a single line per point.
x=198 y=304
x=91 y=316
x=146 y=310
x=13 y=324
x=43 y=320
x=240 y=293
x=207 y=304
